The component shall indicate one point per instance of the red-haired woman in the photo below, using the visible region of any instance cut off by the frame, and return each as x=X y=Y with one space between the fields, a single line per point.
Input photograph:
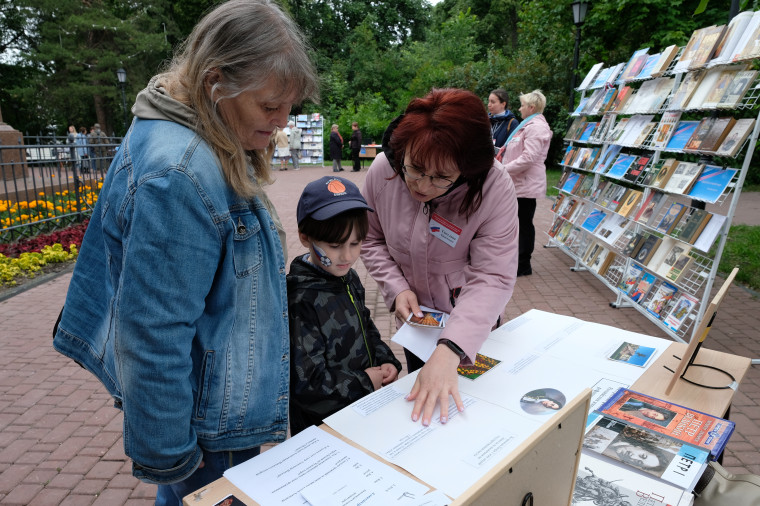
x=443 y=234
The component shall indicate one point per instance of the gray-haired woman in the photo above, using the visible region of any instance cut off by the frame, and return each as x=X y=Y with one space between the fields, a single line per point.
x=178 y=302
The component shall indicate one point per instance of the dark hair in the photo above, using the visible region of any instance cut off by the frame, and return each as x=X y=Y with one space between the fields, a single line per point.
x=648 y=446
x=336 y=230
x=502 y=95
x=447 y=124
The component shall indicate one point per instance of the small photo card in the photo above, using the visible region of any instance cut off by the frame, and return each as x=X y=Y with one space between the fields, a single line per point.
x=633 y=354
x=230 y=500
x=482 y=365
x=430 y=319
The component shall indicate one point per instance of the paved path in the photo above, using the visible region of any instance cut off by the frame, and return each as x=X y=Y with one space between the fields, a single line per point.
x=60 y=438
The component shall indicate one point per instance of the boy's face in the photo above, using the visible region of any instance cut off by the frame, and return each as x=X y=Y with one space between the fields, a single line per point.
x=342 y=256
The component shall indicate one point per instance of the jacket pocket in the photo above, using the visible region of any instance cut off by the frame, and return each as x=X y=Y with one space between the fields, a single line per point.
x=247 y=248
x=206 y=376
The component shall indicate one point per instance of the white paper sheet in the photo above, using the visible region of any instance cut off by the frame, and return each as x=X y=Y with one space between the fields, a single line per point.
x=277 y=476
x=419 y=340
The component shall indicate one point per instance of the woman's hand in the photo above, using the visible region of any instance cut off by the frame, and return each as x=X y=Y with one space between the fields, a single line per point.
x=390 y=373
x=435 y=382
x=406 y=302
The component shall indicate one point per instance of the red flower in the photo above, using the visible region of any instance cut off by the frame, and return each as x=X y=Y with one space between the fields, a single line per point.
x=65 y=237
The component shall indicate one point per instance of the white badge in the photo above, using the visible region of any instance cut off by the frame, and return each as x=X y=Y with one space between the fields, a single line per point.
x=444 y=230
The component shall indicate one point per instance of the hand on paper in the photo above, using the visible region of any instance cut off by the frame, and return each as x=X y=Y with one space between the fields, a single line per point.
x=435 y=382
x=375 y=375
x=390 y=373
x=406 y=302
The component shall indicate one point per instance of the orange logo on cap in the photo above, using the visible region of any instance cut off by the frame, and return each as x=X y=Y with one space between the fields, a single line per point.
x=336 y=187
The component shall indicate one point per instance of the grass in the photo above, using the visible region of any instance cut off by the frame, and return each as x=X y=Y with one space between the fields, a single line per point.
x=741 y=247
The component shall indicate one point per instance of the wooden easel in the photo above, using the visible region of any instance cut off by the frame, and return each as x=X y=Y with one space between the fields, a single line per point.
x=698 y=338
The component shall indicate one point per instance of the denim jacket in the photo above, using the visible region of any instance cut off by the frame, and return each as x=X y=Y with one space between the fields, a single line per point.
x=178 y=305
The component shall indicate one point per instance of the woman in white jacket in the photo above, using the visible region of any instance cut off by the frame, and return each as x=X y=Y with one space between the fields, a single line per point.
x=523 y=156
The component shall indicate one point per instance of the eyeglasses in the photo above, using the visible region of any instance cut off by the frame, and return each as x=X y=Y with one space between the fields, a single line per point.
x=415 y=175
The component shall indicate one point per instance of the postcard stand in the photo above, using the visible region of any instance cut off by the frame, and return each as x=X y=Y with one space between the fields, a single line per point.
x=696 y=343
x=551 y=453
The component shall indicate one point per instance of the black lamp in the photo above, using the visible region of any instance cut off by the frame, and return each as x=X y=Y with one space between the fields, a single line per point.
x=121 y=75
x=580 y=8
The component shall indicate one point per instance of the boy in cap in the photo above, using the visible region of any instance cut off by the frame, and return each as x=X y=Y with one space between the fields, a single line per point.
x=337 y=355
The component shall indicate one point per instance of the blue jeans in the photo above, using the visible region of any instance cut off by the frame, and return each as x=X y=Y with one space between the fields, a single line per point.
x=215 y=464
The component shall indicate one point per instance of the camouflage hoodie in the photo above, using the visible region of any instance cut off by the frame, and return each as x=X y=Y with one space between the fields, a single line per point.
x=331 y=333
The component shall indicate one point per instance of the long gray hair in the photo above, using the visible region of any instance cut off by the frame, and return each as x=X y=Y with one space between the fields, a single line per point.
x=250 y=43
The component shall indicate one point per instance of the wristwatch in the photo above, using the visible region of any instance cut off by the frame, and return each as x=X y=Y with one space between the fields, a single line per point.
x=453 y=347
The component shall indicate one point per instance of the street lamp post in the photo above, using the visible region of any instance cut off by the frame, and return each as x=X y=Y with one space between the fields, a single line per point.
x=580 y=7
x=121 y=75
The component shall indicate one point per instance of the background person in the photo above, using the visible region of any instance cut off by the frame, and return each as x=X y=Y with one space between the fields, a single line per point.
x=181 y=281
x=283 y=151
x=336 y=148
x=503 y=121
x=523 y=155
x=294 y=143
x=337 y=354
x=355 y=143
x=437 y=172
x=83 y=150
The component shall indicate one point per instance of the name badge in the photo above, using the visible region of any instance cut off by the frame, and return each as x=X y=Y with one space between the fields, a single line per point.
x=444 y=230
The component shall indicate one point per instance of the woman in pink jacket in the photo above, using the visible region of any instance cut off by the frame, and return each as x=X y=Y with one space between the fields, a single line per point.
x=443 y=234
x=523 y=156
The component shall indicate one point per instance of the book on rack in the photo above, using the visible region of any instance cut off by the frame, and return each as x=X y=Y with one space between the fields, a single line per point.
x=683 y=178
x=581 y=106
x=669 y=459
x=616 y=197
x=720 y=88
x=690 y=49
x=579 y=213
x=666 y=244
x=588 y=129
x=556 y=225
x=731 y=38
x=648 y=174
x=601 y=78
x=570 y=153
x=680 y=267
x=706 y=239
x=648 y=68
x=717 y=134
x=696 y=221
x=647 y=249
x=686 y=90
x=572 y=238
x=633 y=128
x=631 y=247
x=711 y=183
x=630 y=276
x=623 y=94
x=585 y=187
x=564 y=231
x=630 y=201
x=594 y=218
x=695 y=141
x=597 y=190
x=737 y=89
x=602 y=481
x=736 y=137
x=661 y=299
x=665 y=172
x=635 y=171
x=576 y=128
x=679 y=422
x=707 y=45
x=618 y=131
x=681 y=135
x=665 y=129
x=644 y=134
x=620 y=166
x=602 y=128
x=592 y=73
x=557 y=202
x=641 y=287
x=568 y=207
x=570 y=181
x=609 y=153
x=671 y=217
x=666 y=58
x=706 y=87
x=605 y=102
x=749 y=44
x=663 y=89
x=611 y=228
x=683 y=306
x=648 y=206
x=669 y=251
x=634 y=65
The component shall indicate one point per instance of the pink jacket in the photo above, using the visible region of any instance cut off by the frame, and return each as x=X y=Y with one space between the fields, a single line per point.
x=400 y=252
x=525 y=156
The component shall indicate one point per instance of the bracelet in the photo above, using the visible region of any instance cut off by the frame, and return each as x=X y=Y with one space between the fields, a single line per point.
x=453 y=347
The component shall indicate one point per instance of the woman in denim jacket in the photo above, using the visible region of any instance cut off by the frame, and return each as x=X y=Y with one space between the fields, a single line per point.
x=178 y=301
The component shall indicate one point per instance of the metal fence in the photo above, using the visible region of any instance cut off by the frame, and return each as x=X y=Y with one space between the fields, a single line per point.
x=47 y=184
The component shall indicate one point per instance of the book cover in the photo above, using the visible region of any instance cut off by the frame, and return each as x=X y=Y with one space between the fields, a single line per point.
x=597 y=190
x=585 y=187
x=737 y=89
x=674 y=251
x=648 y=206
x=735 y=139
x=568 y=208
x=606 y=196
x=616 y=198
x=720 y=88
x=606 y=101
x=695 y=223
x=686 y=90
x=636 y=170
x=611 y=228
x=556 y=225
x=695 y=141
x=644 y=134
x=641 y=287
x=681 y=266
x=671 y=217
x=632 y=353
x=600 y=482
x=711 y=183
x=634 y=65
x=684 y=305
x=679 y=422
x=690 y=49
x=587 y=131
x=482 y=365
x=684 y=176
x=569 y=155
x=707 y=45
x=663 y=295
x=608 y=154
x=665 y=129
x=601 y=77
x=714 y=138
x=630 y=276
x=578 y=157
x=747 y=38
x=648 y=68
x=629 y=203
x=654 y=453
x=647 y=249
x=706 y=239
x=569 y=183
x=681 y=135
x=623 y=94
x=621 y=165
x=666 y=58
x=592 y=73
x=733 y=34
x=593 y=220
x=666 y=171
x=706 y=87
x=557 y=202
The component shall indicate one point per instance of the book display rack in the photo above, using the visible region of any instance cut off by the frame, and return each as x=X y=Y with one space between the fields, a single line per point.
x=312 y=145
x=657 y=154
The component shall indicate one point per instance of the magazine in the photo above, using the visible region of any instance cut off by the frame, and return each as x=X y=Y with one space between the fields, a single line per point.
x=679 y=422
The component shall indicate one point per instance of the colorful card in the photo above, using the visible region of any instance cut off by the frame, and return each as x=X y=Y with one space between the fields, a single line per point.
x=482 y=365
x=430 y=319
x=633 y=354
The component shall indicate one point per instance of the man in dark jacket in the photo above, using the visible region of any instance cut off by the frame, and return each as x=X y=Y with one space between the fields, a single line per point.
x=356 y=145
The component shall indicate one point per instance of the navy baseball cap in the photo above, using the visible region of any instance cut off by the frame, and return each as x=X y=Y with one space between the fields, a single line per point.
x=329 y=196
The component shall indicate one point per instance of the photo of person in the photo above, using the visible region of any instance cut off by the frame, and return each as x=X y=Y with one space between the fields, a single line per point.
x=542 y=401
x=636 y=450
x=648 y=412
